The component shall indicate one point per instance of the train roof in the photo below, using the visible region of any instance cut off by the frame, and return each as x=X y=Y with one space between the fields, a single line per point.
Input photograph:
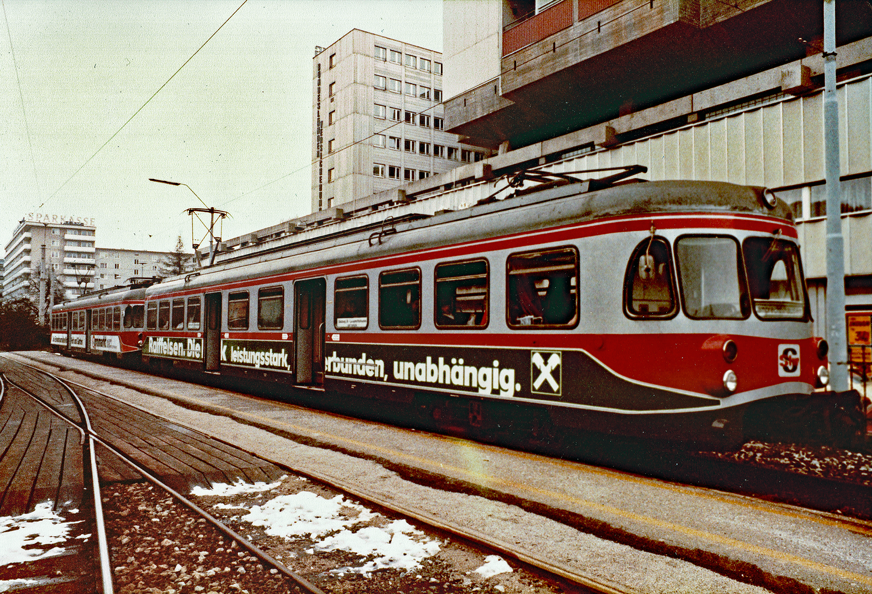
x=104 y=298
x=526 y=210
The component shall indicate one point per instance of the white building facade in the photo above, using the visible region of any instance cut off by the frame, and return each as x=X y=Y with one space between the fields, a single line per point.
x=378 y=120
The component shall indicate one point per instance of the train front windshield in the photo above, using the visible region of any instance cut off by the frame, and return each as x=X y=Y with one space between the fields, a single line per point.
x=715 y=286
x=774 y=278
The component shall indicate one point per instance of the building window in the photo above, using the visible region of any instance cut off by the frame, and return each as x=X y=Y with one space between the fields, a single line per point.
x=393 y=172
x=396 y=114
x=424 y=148
x=409 y=175
x=424 y=92
x=437 y=68
x=378 y=170
x=438 y=150
x=466 y=156
x=394 y=143
x=411 y=89
x=409 y=146
x=424 y=120
x=331 y=175
x=332 y=62
x=411 y=61
x=410 y=117
x=380 y=82
x=381 y=53
x=394 y=86
x=424 y=65
x=378 y=140
x=379 y=111
x=423 y=174
x=331 y=145
x=453 y=153
x=438 y=124
x=331 y=118
x=396 y=57
x=437 y=95
x=331 y=90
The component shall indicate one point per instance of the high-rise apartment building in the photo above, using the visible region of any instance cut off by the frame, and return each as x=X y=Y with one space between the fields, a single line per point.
x=59 y=249
x=378 y=119
x=116 y=266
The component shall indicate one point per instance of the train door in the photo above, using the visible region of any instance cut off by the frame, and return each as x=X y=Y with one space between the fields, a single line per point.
x=88 y=320
x=213 y=331
x=309 y=321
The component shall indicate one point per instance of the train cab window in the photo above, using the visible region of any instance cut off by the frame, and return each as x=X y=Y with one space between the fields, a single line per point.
x=193 y=313
x=271 y=308
x=237 y=311
x=351 y=296
x=649 y=286
x=116 y=318
x=133 y=316
x=543 y=288
x=163 y=315
x=711 y=284
x=177 y=321
x=775 y=278
x=462 y=294
x=399 y=299
x=151 y=315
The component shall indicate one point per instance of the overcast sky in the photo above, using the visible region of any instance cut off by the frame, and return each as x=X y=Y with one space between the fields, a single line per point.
x=234 y=124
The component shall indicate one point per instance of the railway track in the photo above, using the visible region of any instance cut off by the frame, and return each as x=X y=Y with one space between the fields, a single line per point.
x=120 y=433
x=532 y=498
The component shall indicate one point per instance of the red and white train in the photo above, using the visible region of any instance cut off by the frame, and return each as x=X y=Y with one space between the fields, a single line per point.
x=668 y=310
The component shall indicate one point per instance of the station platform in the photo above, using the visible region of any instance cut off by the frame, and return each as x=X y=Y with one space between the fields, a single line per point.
x=627 y=532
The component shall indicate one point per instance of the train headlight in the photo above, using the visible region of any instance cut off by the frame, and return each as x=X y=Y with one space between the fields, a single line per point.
x=731 y=351
x=731 y=382
x=769 y=198
x=823 y=376
x=823 y=349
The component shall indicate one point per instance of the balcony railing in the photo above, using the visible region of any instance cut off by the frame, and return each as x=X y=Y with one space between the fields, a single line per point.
x=532 y=28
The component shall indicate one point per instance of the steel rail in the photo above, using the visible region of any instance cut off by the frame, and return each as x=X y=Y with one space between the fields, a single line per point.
x=263 y=556
x=99 y=520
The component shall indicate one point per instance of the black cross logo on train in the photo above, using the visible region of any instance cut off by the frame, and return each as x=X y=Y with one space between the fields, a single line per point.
x=548 y=366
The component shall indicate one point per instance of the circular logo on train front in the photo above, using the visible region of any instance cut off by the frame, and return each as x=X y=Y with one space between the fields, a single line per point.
x=788 y=360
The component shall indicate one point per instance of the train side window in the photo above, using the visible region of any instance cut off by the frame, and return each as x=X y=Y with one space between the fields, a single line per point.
x=399 y=299
x=193 y=318
x=237 y=311
x=178 y=314
x=116 y=318
x=462 y=294
x=271 y=308
x=649 y=287
x=351 y=296
x=163 y=315
x=712 y=286
x=151 y=315
x=101 y=318
x=543 y=288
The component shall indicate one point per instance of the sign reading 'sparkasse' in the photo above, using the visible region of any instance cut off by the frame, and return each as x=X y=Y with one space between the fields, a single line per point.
x=177 y=348
x=257 y=354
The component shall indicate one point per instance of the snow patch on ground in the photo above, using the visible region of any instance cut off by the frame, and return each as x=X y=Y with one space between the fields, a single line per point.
x=30 y=537
x=494 y=565
x=238 y=488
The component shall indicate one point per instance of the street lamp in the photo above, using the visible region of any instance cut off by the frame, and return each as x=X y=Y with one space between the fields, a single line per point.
x=210 y=229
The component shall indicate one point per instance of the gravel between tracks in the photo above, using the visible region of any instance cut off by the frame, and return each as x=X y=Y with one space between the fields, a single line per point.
x=159 y=546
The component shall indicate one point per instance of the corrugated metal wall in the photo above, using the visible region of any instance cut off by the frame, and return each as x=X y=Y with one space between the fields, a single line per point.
x=776 y=145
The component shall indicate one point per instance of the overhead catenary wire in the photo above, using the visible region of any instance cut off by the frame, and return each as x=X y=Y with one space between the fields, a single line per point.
x=147 y=101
